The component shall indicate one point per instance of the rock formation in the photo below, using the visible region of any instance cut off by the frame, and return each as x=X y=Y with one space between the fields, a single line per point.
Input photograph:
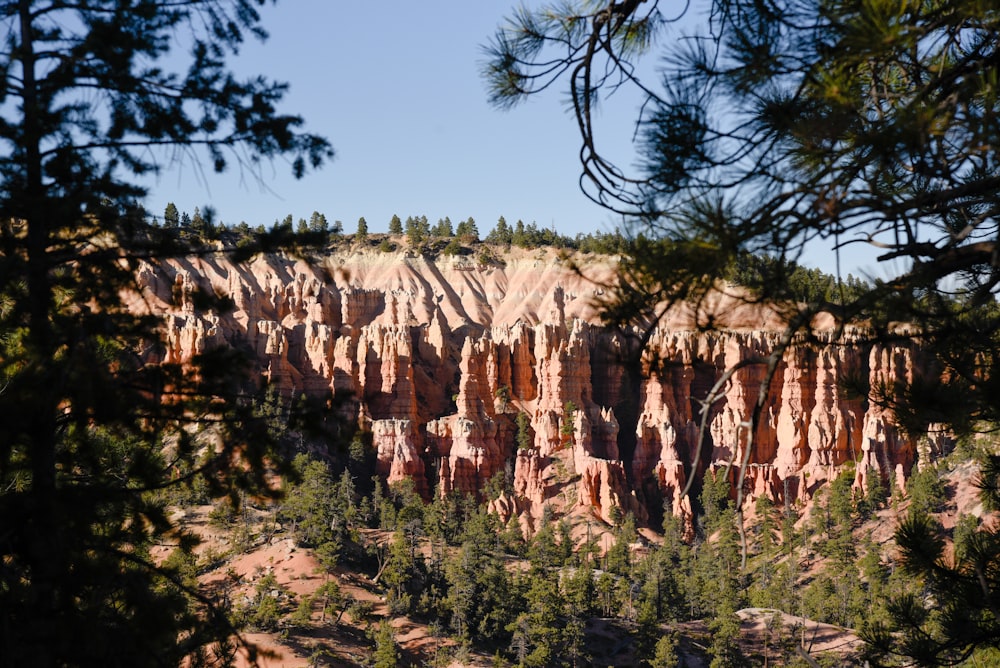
x=440 y=356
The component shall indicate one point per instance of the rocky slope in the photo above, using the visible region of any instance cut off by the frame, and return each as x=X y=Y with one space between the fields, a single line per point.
x=440 y=356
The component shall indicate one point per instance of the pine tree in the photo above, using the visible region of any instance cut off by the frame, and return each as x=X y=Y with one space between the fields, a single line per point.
x=199 y=226
x=318 y=508
x=171 y=218
x=417 y=229
x=468 y=231
x=480 y=588
x=398 y=574
x=952 y=611
x=845 y=123
x=523 y=437
x=362 y=233
x=318 y=223
x=520 y=236
x=386 y=650
x=618 y=558
x=92 y=431
x=395 y=225
x=501 y=234
x=443 y=228
x=797 y=165
x=542 y=629
x=665 y=653
x=724 y=627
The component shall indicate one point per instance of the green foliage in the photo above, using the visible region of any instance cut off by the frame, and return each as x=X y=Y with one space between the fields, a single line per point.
x=544 y=551
x=951 y=613
x=480 y=588
x=443 y=228
x=529 y=236
x=302 y=617
x=537 y=630
x=487 y=258
x=330 y=599
x=319 y=225
x=660 y=598
x=395 y=225
x=182 y=564
x=665 y=652
x=417 y=230
x=844 y=125
x=724 y=628
x=501 y=233
x=264 y=610
x=386 y=650
x=964 y=536
x=765 y=590
x=715 y=500
x=497 y=486
x=309 y=506
x=618 y=558
x=400 y=574
x=801 y=284
x=568 y=419
x=714 y=584
x=407 y=502
x=320 y=509
x=767 y=527
x=925 y=490
x=171 y=217
x=837 y=511
x=362 y=233
x=468 y=231
x=524 y=437
x=95 y=428
x=361 y=611
x=199 y=227
x=503 y=395
x=874 y=497
x=579 y=592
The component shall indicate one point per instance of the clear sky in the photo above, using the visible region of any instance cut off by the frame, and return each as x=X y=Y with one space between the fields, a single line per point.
x=396 y=88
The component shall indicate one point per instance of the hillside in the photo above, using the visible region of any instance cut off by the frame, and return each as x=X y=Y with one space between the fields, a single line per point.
x=494 y=381
x=438 y=358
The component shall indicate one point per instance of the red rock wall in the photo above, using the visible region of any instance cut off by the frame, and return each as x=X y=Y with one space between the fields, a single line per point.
x=440 y=357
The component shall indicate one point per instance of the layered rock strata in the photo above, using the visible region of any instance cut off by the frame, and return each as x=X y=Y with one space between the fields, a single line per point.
x=440 y=357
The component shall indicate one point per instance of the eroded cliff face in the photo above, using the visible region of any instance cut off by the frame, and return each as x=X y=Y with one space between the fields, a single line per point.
x=440 y=357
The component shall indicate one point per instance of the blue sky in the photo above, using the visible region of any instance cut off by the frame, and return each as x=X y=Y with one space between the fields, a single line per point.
x=396 y=88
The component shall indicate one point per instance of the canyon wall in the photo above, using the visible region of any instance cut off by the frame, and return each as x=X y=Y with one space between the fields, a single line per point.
x=439 y=358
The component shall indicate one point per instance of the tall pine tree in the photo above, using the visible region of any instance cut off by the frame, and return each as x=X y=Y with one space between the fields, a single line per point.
x=90 y=431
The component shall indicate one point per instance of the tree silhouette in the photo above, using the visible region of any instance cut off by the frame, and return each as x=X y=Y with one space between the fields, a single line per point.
x=841 y=130
x=93 y=427
x=171 y=217
x=809 y=125
x=954 y=609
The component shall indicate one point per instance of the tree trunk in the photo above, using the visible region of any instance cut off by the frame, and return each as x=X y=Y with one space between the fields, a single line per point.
x=41 y=521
